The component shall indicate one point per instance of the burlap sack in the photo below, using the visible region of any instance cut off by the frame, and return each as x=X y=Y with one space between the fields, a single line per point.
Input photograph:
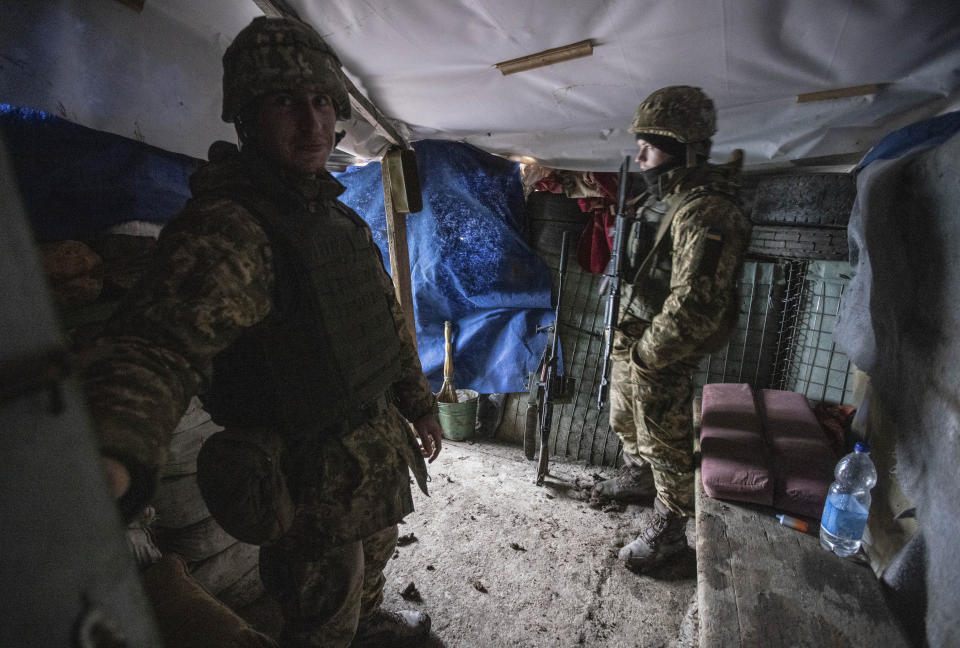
x=190 y=617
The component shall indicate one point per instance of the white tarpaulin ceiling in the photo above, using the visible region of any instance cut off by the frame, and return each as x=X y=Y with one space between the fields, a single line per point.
x=429 y=65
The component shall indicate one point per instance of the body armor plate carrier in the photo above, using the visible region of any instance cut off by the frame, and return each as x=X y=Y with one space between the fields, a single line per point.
x=328 y=353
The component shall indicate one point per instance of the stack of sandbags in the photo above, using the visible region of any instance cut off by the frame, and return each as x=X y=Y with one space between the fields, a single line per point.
x=88 y=280
x=188 y=617
x=223 y=565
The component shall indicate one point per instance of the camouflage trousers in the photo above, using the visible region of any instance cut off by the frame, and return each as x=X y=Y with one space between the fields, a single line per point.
x=651 y=412
x=324 y=596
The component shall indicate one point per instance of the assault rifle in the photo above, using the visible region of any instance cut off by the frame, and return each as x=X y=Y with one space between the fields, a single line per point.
x=547 y=385
x=612 y=280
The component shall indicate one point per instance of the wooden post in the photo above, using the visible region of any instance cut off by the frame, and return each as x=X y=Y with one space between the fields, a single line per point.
x=399 y=252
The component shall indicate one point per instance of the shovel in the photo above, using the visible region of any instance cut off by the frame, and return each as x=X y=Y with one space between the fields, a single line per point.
x=448 y=393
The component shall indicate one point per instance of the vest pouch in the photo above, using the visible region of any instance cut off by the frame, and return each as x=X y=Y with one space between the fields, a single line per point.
x=241 y=481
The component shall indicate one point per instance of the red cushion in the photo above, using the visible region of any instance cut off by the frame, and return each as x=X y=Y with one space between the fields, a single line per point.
x=802 y=459
x=734 y=461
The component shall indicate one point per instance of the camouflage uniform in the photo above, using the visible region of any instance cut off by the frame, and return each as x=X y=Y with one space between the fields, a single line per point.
x=681 y=306
x=268 y=298
x=212 y=282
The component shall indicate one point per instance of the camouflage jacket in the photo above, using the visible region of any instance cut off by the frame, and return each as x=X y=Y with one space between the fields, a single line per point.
x=686 y=299
x=212 y=277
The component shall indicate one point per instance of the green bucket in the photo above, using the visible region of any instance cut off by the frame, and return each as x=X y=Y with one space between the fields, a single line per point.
x=459 y=419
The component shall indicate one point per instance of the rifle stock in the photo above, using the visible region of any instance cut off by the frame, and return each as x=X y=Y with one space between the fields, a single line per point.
x=556 y=386
x=612 y=279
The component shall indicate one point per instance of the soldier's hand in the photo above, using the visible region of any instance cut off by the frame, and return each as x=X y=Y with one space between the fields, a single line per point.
x=429 y=430
x=118 y=477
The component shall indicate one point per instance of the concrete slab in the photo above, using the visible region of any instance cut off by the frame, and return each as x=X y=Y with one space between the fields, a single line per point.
x=498 y=561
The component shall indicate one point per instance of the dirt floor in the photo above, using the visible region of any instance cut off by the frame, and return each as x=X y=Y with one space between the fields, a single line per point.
x=498 y=561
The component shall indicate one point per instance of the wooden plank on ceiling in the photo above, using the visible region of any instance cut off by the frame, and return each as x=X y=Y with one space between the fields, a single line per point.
x=840 y=93
x=133 y=4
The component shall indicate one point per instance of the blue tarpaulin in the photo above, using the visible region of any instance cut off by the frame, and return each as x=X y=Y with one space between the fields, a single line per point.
x=926 y=133
x=76 y=181
x=468 y=264
x=468 y=261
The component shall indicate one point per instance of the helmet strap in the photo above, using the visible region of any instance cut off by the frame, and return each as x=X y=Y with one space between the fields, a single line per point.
x=245 y=123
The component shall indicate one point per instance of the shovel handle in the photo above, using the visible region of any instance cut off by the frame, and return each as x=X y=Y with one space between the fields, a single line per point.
x=447 y=350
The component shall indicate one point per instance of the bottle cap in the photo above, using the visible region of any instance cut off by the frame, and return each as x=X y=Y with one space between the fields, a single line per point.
x=861 y=446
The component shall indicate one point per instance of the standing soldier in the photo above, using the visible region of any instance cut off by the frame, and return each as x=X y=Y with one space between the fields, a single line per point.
x=269 y=299
x=682 y=258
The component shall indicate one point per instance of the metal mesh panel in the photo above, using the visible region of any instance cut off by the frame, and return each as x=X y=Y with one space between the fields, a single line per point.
x=783 y=340
x=580 y=431
x=814 y=366
x=784 y=337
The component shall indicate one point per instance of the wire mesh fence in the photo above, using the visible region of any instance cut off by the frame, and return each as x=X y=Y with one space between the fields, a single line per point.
x=784 y=337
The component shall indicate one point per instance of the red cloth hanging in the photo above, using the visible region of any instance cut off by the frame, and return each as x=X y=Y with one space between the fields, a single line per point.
x=593 y=249
x=596 y=195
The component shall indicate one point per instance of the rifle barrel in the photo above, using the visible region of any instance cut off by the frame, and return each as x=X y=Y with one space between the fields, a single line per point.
x=613 y=284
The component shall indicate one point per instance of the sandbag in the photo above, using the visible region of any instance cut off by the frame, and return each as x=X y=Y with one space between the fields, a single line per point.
x=190 y=617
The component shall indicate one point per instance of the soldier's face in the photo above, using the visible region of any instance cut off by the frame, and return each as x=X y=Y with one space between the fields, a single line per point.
x=297 y=129
x=649 y=156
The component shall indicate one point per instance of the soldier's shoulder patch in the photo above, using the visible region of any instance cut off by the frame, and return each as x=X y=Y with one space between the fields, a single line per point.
x=710 y=251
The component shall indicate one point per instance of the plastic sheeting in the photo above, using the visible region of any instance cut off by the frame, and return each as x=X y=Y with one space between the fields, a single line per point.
x=155 y=74
x=77 y=181
x=468 y=264
x=899 y=321
x=855 y=329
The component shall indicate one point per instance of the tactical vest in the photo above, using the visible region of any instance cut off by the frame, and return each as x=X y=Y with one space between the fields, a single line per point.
x=644 y=299
x=643 y=295
x=329 y=348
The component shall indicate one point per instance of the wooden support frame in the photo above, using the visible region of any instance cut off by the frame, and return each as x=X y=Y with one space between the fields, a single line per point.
x=136 y=5
x=399 y=251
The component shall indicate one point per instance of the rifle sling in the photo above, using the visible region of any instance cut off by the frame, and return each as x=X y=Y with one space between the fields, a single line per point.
x=661 y=233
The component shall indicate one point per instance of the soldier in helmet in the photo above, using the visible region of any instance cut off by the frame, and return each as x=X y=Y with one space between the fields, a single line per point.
x=682 y=257
x=270 y=301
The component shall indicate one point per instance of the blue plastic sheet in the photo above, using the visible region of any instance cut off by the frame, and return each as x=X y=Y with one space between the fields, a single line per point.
x=468 y=261
x=926 y=133
x=76 y=181
x=468 y=264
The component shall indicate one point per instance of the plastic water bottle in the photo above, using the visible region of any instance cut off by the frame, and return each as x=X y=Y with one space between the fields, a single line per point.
x=848 y=502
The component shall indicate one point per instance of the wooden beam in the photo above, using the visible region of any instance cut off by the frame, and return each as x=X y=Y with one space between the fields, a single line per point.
x=546 y=57
x=399 y=252
x=372 y=114
x=276 y=8
x=840 y=93
x=136 y=5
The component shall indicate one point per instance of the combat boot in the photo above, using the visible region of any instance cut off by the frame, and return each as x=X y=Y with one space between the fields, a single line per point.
x=633 y=484
x=663 y=535
x=383 y=629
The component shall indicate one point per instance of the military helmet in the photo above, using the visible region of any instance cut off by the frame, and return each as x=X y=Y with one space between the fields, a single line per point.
x=277 y=54
x=684 y=113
